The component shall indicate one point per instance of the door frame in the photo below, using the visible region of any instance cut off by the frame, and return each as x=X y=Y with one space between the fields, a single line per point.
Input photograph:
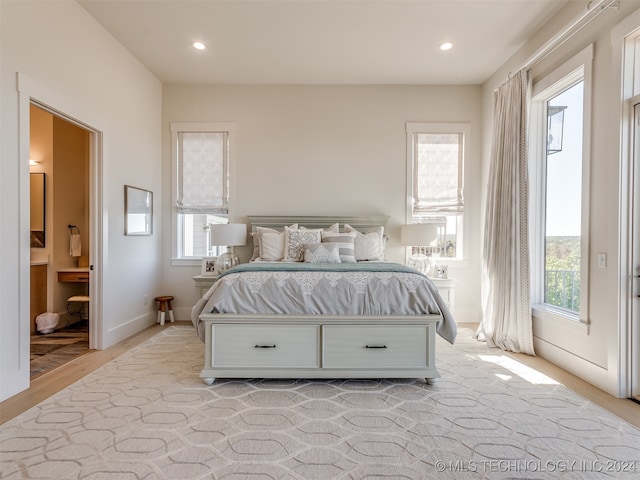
x=633 y=321
x=30 y=92
x=625 y=57
x=629 y=258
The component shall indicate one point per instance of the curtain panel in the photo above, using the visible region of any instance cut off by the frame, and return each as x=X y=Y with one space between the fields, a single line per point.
x=506 y=321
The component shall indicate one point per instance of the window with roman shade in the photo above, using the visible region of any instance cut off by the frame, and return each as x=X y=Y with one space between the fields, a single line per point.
x=203 y=172
x=435 y=172
x=438 y=167
x=201 y=186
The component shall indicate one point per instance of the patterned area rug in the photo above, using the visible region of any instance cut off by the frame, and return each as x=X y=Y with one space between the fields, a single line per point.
x=147 y=415
x=54 y=349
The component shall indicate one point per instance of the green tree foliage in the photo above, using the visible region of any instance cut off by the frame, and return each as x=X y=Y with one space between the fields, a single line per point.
x=562 y=272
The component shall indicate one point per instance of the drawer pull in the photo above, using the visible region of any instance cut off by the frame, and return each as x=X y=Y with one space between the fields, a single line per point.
x=375 y=346
x=265 y=346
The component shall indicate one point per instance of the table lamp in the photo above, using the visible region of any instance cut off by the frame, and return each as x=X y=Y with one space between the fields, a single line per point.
x=229 y=235
x=419 y=235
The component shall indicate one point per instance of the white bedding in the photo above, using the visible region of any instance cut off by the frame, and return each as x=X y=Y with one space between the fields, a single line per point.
x=363 y=288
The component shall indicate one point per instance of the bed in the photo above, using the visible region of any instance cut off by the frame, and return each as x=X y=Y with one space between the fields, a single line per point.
x=331 y=308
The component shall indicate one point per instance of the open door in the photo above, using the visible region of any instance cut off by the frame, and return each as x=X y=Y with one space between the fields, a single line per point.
x=60 y=322
x=635 y=290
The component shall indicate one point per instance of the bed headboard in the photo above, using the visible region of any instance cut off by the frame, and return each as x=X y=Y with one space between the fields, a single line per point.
x=359 y=222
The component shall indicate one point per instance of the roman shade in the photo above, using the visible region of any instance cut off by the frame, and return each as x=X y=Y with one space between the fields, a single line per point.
x=203 y=172
x=438 y=172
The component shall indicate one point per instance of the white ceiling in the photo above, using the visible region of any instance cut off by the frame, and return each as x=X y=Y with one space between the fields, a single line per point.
x=322 y=41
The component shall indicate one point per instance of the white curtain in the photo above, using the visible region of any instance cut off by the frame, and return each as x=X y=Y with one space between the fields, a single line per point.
x=506 y=321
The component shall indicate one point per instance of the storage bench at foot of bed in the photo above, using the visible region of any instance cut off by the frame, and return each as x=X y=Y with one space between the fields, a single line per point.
x=312 y=346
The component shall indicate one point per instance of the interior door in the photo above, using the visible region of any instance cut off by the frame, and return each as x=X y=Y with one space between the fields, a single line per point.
x=635 y=304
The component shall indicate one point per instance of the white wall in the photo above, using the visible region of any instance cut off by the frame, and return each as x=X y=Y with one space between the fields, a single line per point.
x=326 y=150
x=593 y=353
x=65 y=59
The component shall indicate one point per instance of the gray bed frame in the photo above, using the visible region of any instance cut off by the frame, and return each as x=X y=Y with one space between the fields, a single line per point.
x=319 y=346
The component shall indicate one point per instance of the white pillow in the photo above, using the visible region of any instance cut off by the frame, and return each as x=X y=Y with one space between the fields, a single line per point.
x=271 y=246
x=369 y=245
x=335 y=228
x=345 y=242
x=257 y=235
x=322 y=253
x=295 y=239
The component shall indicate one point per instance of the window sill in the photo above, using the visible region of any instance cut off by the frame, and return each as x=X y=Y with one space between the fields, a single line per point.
x=186 y=262
x=547 y=312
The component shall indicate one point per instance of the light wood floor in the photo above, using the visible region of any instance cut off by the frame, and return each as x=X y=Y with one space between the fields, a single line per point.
x=622 y=407
x=50 y=383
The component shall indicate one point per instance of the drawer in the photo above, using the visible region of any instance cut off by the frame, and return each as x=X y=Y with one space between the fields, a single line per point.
x=292 y=346
x=73 y=277
x=360 y=346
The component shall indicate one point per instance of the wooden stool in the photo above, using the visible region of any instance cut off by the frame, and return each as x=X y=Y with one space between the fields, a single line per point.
x=81 y=309
x=164 y=306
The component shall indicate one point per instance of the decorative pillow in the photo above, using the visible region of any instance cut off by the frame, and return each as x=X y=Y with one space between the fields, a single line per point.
x=295 y=239
x=369 y=245
x=257 y=235
x=271 y=246
x=322 y=253
x=255 y=238
x=345 y=242
x=335 y=228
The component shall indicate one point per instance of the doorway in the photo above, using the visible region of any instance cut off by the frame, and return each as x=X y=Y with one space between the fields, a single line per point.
x=635 y=265
x=60 y=152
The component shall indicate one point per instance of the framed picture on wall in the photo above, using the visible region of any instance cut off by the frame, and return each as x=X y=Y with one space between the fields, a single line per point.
x=209 y=265
x=138 y=211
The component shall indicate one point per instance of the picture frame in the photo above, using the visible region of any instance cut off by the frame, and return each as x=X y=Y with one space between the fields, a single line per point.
x=209 y=266
x=441 y=271
x=138 y=211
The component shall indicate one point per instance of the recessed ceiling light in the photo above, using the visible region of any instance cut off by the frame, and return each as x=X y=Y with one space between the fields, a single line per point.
x=199 y=45
x=446 y=46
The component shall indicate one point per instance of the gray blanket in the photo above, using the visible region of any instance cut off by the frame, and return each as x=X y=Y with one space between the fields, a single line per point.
x=363 y=288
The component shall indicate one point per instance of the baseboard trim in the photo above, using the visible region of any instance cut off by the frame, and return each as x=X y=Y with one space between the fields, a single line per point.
x=125 y=330
x=581 y=368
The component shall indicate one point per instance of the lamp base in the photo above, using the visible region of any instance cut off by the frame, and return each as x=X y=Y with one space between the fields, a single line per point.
x=420 y=262
x=225 y=261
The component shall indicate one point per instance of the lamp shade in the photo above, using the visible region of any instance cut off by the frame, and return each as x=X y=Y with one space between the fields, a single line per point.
x=228 y=234
x=419 y=234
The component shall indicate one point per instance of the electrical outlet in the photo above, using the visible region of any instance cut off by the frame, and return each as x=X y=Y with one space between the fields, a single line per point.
x=146 y=299
x=602 y=260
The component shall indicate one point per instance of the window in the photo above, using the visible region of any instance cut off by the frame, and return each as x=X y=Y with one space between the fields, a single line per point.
x=563 y=185
x=435 y=168
x=201 y=186
x=560 y=160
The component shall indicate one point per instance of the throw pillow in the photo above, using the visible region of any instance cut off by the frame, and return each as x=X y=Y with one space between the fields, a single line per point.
x=345 y=242
x=322 y=253
x=294 y=241
x=369 y=245
x=257 y=235
x=271 y=246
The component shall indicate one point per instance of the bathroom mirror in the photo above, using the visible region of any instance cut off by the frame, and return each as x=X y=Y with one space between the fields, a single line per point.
x=138 y=211
x=37 y=210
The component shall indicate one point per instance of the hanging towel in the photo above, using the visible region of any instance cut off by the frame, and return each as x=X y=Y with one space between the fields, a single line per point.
x=75 y=249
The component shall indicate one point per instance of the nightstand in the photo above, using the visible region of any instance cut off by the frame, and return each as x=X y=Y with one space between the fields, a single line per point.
x=446 y=287
x=203 y=283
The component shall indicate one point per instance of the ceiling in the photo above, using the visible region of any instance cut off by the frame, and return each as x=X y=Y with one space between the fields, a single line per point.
x=322 y=41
